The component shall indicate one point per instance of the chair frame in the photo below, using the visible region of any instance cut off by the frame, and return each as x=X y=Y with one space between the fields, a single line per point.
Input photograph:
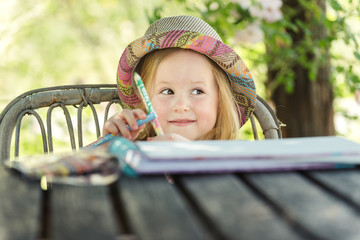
x=81 y=96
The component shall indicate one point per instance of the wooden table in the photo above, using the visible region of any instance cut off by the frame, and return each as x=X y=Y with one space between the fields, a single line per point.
x=287 y=205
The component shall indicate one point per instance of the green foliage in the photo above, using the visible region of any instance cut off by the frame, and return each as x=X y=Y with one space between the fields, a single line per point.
x=276 y=54
x=228 y=18
x=154 y=15
x=46 y=43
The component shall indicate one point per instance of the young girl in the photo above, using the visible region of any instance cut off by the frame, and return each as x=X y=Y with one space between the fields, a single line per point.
x=199 y=87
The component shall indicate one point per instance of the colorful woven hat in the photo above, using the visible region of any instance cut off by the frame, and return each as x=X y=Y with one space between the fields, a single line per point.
x=187 y=32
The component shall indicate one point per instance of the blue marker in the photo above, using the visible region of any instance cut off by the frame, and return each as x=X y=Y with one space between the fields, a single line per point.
x=109 y=137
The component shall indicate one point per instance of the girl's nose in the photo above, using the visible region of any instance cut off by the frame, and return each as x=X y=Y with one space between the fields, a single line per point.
x=181 y=104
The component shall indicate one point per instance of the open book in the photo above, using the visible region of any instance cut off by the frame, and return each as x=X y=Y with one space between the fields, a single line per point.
x=101 y=165
x=232 y=156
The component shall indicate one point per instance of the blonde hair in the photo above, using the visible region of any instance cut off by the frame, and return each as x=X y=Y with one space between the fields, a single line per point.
x=227 y=123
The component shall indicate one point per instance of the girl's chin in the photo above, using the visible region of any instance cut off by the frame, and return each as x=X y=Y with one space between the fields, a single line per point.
x=190 y=137
x=188 y=133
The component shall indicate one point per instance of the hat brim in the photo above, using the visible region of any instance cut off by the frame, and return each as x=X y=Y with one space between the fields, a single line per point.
x=241 y=81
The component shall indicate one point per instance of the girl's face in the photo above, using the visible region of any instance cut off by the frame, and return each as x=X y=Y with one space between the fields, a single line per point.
x=185 y=94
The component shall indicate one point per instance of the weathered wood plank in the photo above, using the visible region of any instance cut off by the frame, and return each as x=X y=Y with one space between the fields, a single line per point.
x=235 y=210
x=346 y=182
x=81 y=213
x=157 y=211
x=19 y=207
x=322 y=214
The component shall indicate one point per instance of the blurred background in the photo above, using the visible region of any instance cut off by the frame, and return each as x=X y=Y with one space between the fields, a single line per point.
x=304 y=55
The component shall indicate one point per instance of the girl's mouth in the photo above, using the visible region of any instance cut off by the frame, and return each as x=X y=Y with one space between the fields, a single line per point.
x=182 y=122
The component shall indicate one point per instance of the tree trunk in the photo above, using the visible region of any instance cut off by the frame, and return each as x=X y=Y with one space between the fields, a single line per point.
x=308 y=110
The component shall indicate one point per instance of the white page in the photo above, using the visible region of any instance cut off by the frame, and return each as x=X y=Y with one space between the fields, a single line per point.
x=263 y=149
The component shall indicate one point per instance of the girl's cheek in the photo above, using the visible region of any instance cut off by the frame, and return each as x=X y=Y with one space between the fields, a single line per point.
x=160 y=105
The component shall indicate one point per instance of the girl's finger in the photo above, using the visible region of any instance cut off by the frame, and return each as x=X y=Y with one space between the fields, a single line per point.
x=120 y=123
x=110 y=128
x=130 y=117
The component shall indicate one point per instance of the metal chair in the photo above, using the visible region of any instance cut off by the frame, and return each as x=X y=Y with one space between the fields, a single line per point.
x=80 y=97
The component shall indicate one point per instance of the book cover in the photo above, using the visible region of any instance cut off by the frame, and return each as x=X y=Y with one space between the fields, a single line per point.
x=235 y=156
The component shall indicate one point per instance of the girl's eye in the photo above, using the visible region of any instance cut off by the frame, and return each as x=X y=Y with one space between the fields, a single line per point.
x=167 y=91
x=197 y=91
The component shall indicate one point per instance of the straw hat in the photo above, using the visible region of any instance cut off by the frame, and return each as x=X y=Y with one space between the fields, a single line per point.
x=187 y=32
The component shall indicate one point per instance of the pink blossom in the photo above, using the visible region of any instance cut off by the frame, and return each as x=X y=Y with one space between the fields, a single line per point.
x=251 y=34
x=267 y=9
x=357 y=96
x=244 y=4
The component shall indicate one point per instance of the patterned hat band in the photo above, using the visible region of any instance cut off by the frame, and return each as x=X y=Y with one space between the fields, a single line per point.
x=187 y=32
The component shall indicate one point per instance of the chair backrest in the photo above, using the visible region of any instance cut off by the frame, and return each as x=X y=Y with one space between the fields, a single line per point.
x=265 y=115
x=79 y=97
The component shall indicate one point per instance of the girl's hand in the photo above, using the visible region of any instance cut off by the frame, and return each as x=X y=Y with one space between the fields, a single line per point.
x=168 y=137
x=118 y=124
